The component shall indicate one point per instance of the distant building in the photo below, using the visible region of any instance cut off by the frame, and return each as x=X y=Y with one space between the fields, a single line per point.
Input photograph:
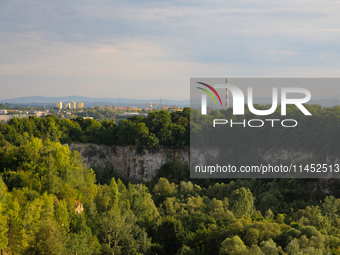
x=101 y=107
x=112 y=107
x=80 y=105
x=164 y=107
x=121 y=108
x=38 y=113
x=125 y=116
x=68 y=106
x=74 y=105
x=14 y=111
x=3 y=111
x=6 y=118
x=60 y=105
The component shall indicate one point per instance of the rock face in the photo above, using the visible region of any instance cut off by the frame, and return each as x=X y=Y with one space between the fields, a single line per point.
x=141 y=167
x=286 y=156
x=127 y=161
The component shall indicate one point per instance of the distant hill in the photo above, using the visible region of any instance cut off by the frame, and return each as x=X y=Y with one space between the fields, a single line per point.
x=89 y=101
x=326 y=101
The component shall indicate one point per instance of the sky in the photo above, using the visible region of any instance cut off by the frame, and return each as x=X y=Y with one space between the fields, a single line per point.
x=151 y=49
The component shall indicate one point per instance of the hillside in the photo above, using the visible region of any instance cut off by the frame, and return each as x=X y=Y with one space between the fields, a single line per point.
x=47 y=191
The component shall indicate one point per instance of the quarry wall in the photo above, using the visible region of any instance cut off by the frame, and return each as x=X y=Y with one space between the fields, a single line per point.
x=142 y=166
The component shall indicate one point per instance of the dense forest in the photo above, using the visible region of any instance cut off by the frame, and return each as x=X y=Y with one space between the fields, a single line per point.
x=51 y=203
x=159 y=128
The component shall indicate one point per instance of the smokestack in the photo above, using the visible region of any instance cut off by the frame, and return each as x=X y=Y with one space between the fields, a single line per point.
x=227 y=95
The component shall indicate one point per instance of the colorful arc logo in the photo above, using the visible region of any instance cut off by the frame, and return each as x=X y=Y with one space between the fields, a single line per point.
x=212 y=89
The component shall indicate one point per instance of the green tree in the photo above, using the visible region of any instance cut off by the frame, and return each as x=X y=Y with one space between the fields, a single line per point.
x=141 y=204
x=170 y=234
x=163 y=189
x=269 y=215
x=83 y=243
x=242 y=202
x=233 y=246
x=269 y=247
x=3 y=229
x=251 y=236
x=330 y=208
x=16 y=236
x=119 y=233
x=47 y=240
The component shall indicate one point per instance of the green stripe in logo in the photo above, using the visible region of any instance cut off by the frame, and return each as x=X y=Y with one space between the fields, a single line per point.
x=208 y=93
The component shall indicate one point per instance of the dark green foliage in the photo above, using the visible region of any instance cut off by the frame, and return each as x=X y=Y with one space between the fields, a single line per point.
x=176 y=171
x=170 y=130
x=104 y=175
x=170 y=234
x=47 y=240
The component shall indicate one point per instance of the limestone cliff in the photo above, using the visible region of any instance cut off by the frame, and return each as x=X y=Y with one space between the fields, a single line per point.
x=127 y=161
x=142 y=166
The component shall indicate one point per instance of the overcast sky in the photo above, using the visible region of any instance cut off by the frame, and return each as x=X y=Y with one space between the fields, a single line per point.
x=151 y=49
